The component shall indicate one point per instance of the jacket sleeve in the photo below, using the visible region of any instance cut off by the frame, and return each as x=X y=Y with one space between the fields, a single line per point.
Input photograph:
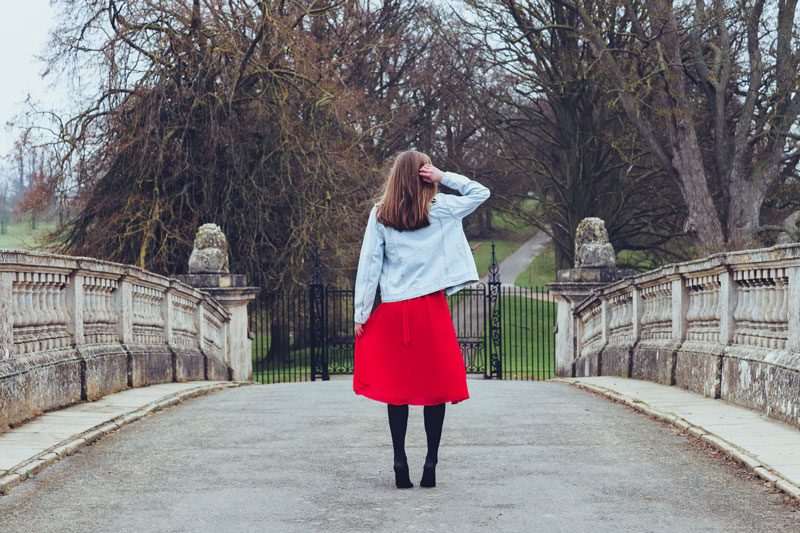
x=370 y=264
x=473 y=194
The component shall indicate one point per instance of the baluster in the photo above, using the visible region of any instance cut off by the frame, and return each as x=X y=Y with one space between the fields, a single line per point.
x=771 y=311
x=742 y=301
x=783 y=291
x=645 y=309
x=693 y=311
x=49 y=310
x=757 y=310
x=106 y=303
x=713 y=310
x=747 y=312
x=704 y=308
x=66 y=314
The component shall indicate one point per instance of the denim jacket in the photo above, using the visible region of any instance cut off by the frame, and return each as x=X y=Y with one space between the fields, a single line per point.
x=408 y=264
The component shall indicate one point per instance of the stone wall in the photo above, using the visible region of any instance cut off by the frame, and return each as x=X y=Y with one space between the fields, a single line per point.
x=727 y=326
x=74 y=328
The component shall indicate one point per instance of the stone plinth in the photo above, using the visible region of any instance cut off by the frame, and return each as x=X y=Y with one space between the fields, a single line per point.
x=574 y=285
x=599 y=276
x=216 y=280
x=230 y=291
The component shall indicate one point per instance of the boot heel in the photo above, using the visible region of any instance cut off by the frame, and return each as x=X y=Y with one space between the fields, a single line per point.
x=401 y=477
x=428 y=475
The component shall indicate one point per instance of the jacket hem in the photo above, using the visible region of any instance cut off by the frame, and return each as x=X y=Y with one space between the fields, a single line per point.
x=422 y=291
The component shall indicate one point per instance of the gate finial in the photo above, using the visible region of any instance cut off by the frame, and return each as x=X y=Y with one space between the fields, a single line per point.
x=494 y=268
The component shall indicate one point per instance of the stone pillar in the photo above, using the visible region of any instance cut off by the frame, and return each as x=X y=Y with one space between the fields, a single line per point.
x=595 y=267
x=240 y=347
x=637 y=305
x=567 y=296
x=680 y=306
x=605 y=320
x=123 y=304
x=209 y=272
x=168 y=314
x=793 y=309
x=75 y=306
x=727 y=303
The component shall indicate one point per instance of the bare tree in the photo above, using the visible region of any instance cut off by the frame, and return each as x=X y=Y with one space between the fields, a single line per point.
x=730 y=65
x=543 y=106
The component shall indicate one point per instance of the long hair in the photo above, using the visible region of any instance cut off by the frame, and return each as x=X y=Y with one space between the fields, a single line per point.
x=405 y=198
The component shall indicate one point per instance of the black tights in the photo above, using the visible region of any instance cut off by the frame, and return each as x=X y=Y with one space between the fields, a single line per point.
x=398 y=422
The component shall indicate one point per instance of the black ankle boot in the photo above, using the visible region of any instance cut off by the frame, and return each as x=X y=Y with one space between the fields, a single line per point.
x=428 y=475
x=401 y=477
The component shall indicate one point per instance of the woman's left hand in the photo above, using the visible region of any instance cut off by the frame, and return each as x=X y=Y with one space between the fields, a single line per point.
x=430 y=173
x=359 y=329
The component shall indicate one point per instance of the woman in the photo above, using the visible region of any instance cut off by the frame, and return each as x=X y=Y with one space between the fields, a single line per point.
x=406 y=352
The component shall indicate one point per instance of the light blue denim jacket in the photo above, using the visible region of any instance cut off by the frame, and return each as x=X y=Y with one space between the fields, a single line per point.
x=408 y=264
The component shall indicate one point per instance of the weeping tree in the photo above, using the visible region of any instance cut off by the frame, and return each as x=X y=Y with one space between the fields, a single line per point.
x=273 y=119
x=229 y=112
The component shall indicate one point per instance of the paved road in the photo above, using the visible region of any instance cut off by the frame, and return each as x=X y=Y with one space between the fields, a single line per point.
x=517 y=456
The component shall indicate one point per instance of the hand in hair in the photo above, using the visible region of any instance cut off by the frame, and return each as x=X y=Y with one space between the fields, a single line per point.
x=430 y=173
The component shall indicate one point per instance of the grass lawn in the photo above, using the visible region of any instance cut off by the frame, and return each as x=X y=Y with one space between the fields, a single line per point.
x=635 y=259
x=528 y=344
x=542 y=269
x=483 y=255
x=509 y=224
x=22 y=237
x=296 y=364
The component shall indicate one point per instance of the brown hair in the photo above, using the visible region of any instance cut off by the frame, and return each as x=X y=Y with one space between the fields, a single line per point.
x=405 y=198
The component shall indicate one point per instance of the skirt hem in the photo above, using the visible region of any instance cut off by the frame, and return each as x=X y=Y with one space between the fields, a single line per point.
x=409 y=401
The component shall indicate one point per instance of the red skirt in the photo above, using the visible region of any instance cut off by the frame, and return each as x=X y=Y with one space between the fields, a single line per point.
x=409 y=354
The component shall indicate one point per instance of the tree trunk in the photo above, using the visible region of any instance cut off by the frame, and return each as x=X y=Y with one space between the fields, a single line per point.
x=703 y=220
x=278 y=343
x=744 y=212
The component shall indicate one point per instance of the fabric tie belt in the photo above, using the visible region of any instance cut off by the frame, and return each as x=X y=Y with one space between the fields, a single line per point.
x=406 y=332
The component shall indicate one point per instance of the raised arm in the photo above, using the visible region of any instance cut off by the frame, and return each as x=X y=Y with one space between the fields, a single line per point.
x=370 y=263
x=473 y=194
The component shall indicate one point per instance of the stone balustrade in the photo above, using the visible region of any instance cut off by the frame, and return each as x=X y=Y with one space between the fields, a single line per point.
x=727 y=326
x=74 y=328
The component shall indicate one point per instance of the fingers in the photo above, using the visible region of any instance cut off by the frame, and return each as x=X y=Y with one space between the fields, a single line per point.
x=427 y=172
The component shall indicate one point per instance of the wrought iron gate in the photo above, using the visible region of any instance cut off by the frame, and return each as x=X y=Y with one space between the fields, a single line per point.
x=505 y=332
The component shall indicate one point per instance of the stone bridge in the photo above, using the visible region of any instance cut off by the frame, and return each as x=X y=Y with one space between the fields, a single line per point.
x=75 y=328
x=727 y=326
x=518 y=456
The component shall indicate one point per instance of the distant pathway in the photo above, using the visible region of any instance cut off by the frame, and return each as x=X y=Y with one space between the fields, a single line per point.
x=516 y=263
x=313 y=457
x=468 y=314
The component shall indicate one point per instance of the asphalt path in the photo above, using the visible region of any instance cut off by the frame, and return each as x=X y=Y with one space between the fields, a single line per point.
x=516 y=456
x=517 y=261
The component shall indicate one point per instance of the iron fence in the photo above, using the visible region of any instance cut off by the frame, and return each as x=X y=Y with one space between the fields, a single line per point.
x=505 y=332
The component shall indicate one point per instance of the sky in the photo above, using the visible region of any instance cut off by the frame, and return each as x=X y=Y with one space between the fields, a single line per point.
x=24 y=27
